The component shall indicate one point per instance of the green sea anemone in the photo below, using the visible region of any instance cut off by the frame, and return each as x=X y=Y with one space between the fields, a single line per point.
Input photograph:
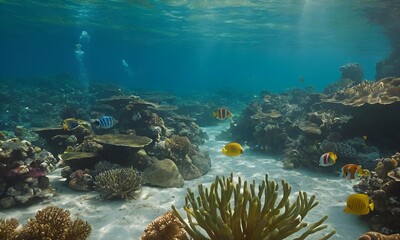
x=246 y=211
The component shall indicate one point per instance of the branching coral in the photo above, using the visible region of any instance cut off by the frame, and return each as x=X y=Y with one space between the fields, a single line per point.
x=251 y=214
x=8 y=229
x=118 y=183
x=55 y=223
x=165 y=227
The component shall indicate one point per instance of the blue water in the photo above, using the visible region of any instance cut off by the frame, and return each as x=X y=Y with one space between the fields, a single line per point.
x=181 y=45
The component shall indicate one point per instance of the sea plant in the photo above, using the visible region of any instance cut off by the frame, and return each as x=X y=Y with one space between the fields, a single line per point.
x=120 y=183
x=229 y=210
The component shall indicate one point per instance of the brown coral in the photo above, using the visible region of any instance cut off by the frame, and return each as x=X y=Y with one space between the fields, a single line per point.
x=166 y=227
x=55 y=223
x=118 y=183
x=180 y=146
x=8 y=229
x=378 y=236
x=384 y=91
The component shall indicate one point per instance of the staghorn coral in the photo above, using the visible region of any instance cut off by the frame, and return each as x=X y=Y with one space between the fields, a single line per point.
x=166 y=227
x=118 y=183
x=55 y=223
x=253 y=215
x=8 y=229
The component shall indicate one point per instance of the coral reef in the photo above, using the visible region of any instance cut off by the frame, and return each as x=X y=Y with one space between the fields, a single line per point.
x=384 y=191
x=378 y=236
x=49 y=223
x=81 y=181
x=255 y=214
x=8 y=229
x=384 y=91
x=353 y=71
x=122 y=183
x=23 y=172
x=166 y=227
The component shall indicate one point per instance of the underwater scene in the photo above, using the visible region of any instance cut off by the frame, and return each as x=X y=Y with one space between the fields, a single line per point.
x=199 y=119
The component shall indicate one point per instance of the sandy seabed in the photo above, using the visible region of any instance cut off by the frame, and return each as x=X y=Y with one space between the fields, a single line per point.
x=127 y=220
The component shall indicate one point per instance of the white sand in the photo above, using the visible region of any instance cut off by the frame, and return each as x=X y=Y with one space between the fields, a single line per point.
x=127 y=220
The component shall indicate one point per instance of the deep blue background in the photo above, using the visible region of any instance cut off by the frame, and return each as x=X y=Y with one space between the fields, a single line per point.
x=187 y=61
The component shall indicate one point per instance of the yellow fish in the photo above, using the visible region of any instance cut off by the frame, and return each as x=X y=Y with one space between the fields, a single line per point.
x=327 y=159
x=232 y=149
x=359 y=204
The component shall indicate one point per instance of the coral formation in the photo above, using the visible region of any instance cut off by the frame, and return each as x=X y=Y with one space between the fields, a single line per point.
x=49 y=223
x=255 y=214
x=122 y=183
x=384 y=91
x=378 y=236
x=123 y=140
x=384 y=191
x=8 y=229
x=23 y=169
x=166 y=227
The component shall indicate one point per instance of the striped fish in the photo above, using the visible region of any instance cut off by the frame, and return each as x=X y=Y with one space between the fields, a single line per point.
x=105 y=122
x=222 y=114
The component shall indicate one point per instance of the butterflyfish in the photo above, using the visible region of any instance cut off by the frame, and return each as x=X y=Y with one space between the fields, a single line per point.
x=70 y=124
x=351 y=171
x=232 y=149
x=327 y=159
x=359 y=204
x=222 y=114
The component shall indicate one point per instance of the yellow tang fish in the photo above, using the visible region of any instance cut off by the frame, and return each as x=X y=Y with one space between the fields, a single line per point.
x=359 y=204
x=232 y=149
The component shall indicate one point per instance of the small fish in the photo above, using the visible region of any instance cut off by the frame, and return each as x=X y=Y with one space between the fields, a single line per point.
x=70 y=124
x=232 y=149
x=327 y=159
x=136 y=116
x=351 y=171
x=366 y=173
x=365 y=137
x=301 y=79
x=359 y=204
x=222 y=114
x=105 y=122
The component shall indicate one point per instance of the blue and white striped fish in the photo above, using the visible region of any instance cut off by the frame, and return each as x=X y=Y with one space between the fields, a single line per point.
x=105 y=122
